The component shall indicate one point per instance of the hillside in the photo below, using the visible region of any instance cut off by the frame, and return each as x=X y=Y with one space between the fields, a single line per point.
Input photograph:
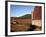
x=25 y=16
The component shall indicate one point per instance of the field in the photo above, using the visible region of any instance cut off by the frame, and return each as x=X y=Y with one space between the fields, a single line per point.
x=23 y=25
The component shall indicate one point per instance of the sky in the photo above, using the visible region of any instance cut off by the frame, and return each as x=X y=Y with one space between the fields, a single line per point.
x=20 y=10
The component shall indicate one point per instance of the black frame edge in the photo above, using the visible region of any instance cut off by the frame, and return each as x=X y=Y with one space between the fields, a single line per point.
x=6 y=32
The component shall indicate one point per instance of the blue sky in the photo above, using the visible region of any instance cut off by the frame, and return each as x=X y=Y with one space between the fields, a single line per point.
x=20 y=10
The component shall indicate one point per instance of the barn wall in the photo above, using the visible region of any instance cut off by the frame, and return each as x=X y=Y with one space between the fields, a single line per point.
x=37 y=22
x=36 y=16
x=37 y=13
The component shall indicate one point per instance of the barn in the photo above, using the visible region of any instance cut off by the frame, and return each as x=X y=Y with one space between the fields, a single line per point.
x=37 y=16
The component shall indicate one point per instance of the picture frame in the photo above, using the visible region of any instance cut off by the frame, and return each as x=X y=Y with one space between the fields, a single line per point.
x=7 y=18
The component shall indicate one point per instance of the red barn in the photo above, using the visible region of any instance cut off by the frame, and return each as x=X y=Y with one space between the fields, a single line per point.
x=37 y=16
